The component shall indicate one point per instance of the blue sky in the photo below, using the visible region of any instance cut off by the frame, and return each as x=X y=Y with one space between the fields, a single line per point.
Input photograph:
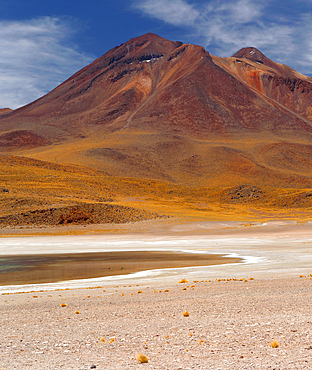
x=45 y=42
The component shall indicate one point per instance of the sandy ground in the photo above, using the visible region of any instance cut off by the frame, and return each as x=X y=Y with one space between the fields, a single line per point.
x=231 y=322
x=230 y=326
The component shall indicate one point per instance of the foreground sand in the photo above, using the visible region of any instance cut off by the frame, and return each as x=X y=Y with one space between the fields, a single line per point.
x=231 y=322
x=231 y=325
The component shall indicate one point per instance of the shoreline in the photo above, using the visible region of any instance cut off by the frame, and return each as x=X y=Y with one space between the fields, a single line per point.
x=276 y=247
x=23 y=270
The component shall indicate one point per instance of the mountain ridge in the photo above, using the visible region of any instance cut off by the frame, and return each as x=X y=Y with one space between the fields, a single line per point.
x=161 y=109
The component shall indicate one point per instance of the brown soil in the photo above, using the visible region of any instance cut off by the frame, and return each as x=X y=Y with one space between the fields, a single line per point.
x=21 y=139
x=80 y=214
x=37 y=193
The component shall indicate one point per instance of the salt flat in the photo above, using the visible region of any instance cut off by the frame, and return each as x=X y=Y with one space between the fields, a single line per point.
x=278 y=248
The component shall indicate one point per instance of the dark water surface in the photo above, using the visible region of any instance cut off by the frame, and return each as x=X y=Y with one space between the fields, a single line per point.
x=52 y=268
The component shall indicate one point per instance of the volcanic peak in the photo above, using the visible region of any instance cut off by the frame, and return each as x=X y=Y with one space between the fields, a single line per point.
x=252 y=54
x=141 y=48
x=256 y=56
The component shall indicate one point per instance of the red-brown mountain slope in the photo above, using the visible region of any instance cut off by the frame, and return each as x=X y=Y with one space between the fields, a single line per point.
x=166 y=110
x=5 y=110
x=277 y=81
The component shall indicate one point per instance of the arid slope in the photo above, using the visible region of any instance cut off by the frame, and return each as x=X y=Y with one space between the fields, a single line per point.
x=170 y=112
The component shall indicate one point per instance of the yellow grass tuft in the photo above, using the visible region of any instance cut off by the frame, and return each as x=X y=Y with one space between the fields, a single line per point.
x=191 y=334
x=102 y=340
x=142 y=358
x=112 y=340
x=201 y=341
x=77 y=312
x=167 y=336
x=185 y=288
x=186 y=314
x=192 y=286
x=104 y=290
x=140 y=291
x=166 y=290
x=274 y=344
x=183 y=281
x=35 y=296
x=63 y=304
x=122 y=294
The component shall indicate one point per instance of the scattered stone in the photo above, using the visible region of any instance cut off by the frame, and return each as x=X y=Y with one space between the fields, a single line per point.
x=142 y=358
x=183 y=281
x=274 y=344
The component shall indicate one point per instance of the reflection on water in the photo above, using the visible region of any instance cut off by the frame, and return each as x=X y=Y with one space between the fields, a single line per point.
x=35 y=269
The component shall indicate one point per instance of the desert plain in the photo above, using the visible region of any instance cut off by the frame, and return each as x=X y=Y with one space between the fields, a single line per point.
x=236 y=309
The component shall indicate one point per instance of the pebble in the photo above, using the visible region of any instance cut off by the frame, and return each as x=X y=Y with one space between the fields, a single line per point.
x=170 y=343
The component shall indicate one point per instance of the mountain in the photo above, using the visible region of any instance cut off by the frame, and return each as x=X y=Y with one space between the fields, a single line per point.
x=5 y=110
x=159 y=109
x=277 y=81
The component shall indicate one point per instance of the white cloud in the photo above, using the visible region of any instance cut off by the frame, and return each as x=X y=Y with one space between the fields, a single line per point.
x=241 y=11
x=176 y=12
x=35 y=56
x=224 y=27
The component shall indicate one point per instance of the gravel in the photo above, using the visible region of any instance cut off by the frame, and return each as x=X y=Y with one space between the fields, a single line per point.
x=230 y=326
